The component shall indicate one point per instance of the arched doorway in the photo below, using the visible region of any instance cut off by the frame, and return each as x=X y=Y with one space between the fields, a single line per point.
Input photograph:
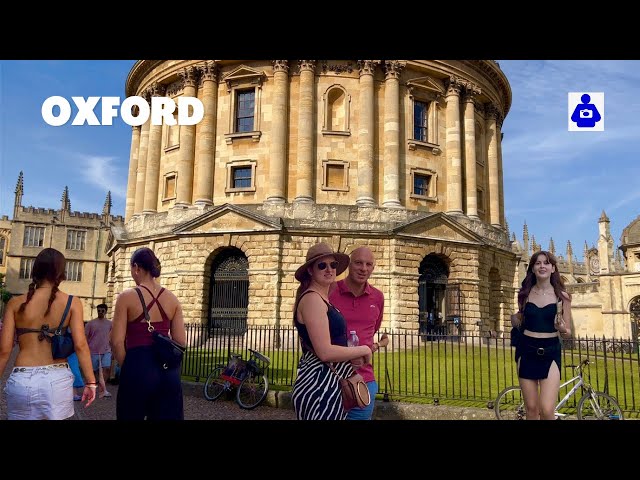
x=229 y=292
x=634 y=310
x=432 y=284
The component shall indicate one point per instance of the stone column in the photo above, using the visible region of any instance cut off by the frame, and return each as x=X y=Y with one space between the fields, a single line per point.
x=305 y=170
x=499 y=135
x=141 y=174
x=133 y=173
x=454 y=162
x=206 y=132
x=153 y=159
x=278 y=149
x=366 y=133
x=470 y=151
x=391 y=197
x=184 y=187
x=492 y=154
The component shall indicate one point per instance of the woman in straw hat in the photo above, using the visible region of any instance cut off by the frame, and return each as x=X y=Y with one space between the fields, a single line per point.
x=323 y=334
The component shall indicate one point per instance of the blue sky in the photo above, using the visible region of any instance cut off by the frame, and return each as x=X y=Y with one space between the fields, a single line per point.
x=557 y=181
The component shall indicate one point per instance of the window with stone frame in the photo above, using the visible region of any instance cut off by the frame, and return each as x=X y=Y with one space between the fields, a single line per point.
x=76 y=239
x=26 y=264
x=241 y=176
x=173 y=134
x=423 y=184
x=3 y=244
x=422 y=113
x=33 y=236
x=169 y=191
x=73 y=271
x=337 y=104
x=244 y=85
x=335 y=175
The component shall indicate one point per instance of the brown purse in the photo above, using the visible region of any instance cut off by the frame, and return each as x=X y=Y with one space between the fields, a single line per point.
x=355 y=392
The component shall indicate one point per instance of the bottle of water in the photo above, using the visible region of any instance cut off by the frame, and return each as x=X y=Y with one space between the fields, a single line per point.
x=353 y=340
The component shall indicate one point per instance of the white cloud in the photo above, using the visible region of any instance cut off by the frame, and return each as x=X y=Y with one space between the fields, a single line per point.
x=103 y=172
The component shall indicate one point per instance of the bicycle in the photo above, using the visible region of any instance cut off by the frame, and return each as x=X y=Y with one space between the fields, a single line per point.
x=593 y=405
x=247 y=376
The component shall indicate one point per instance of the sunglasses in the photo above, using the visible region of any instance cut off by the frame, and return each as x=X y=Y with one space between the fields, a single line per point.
x=323 y=265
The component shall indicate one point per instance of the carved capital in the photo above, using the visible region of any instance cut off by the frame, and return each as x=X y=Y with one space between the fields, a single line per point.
x=455 y=85
x=392 y=68
x=491 y=111
x=307 y=65
x=208 y=72
x=280 y=66
x=189 y=76
x=367 y=67
x=175 y=88
x=155 y=90
x=479 y=107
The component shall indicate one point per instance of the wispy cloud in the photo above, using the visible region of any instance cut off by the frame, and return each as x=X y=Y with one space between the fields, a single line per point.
x=104 y=173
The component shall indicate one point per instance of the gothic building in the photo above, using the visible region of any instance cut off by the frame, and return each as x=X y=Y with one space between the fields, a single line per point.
x=80 y=236
x=403 y=156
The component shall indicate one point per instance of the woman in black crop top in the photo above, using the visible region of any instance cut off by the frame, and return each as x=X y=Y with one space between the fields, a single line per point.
x=323 y=334
x=538 y=354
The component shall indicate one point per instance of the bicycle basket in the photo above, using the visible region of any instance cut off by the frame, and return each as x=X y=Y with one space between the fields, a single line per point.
x=261 y=361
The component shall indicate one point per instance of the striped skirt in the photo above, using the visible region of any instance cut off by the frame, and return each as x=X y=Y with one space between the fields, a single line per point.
x=316 y=391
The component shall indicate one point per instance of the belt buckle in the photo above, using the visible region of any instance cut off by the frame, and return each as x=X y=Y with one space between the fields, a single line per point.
x=540 y=351
x=19 y=369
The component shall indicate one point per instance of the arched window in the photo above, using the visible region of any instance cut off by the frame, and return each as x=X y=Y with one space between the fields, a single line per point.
x=336 y=111
x=3 y=246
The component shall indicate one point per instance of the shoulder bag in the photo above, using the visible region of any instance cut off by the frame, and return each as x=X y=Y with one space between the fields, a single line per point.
x=62 y=343
x=167 y=351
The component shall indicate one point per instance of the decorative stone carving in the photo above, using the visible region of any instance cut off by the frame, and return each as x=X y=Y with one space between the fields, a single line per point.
x=307 y=65
x=175 y=88
x=367 y=67
x=455 y=85
x=189 y=76
x=337 y=68
x=155 y=90
x=208 y=71
x=392 y=68
x=280 y=65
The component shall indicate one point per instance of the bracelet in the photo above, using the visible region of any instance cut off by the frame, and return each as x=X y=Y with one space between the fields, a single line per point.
x=93 y=387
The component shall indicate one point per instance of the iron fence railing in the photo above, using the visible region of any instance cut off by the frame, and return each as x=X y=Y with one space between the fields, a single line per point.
x=425 y=367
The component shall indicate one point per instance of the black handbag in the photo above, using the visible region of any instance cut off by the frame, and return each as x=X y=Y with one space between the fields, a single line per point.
x=516 y=337
x=167 y=351
x=62 y=343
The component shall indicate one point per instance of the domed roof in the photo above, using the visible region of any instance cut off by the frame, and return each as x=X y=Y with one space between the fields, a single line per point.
x=631 y=233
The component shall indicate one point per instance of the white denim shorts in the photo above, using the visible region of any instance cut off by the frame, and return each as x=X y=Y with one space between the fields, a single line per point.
x=40 y=393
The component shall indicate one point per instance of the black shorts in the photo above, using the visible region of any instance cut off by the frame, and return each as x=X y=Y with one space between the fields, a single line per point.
x=536 y=356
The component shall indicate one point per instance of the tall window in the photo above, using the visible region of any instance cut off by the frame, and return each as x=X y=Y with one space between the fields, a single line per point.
x=2 y=247
x=26 y=264
x=73 y=271
x=76 y=239
x=421 y=185
x=33 y=236
x=246 y=103
x=420 y=120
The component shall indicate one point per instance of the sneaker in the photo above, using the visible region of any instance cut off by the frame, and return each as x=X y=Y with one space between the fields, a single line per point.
x=77 y=398
x=105 y=395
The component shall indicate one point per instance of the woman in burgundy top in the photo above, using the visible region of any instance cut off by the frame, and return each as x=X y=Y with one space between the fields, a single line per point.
x=147 y=390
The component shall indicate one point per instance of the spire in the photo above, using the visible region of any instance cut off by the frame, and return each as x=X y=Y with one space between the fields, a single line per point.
x=66 y=202
x=569 y=249
x=525 y=239
x=534 y=246
x=603 y=217
x=552 y=246
x=106 y=209
x=17 y=202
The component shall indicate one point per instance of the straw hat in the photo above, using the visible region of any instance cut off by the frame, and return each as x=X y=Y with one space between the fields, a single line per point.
x=320 y=250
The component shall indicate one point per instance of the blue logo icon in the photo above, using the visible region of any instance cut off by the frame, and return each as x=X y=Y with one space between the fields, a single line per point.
x=586 y=111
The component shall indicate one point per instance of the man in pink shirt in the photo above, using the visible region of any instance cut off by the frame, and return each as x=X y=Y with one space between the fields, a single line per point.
x=361 y=305
x=98 y=331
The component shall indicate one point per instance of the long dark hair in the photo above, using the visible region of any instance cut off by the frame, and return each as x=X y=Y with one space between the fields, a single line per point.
x=530 y=279
x=48 y=266
x=147 y=260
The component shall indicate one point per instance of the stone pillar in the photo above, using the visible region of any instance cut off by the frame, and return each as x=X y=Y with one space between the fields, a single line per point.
x=141 y=174
x=306 y=126
x=153 y=159
x=206 y=132
x=366 y=133
x=184 y=187
x=470 y=151
x=499 y=135
x=454 y=161
x=391 y=197
x=133 y=173
x=278 y=148
x=494 y=176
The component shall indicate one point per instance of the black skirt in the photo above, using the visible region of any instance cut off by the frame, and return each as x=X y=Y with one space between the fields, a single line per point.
x=536 y=355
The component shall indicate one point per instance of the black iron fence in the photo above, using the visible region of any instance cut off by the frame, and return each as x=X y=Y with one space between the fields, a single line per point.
x=425 y=367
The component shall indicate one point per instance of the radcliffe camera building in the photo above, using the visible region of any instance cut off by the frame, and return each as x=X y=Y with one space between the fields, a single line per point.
x=403 y=156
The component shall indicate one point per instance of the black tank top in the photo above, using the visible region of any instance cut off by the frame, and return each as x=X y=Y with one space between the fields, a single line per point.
x=337 y=326
x=540 y=319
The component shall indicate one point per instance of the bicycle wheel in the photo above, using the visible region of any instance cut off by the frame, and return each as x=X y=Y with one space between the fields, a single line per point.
x=598 y=406
x=252 y=390
x=509 y=404
x=215 y=384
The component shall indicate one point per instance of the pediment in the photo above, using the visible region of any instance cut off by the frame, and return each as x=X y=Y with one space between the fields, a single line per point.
x=243 y=75
x=438 y=226
x=426 y=85
x=229 y=218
